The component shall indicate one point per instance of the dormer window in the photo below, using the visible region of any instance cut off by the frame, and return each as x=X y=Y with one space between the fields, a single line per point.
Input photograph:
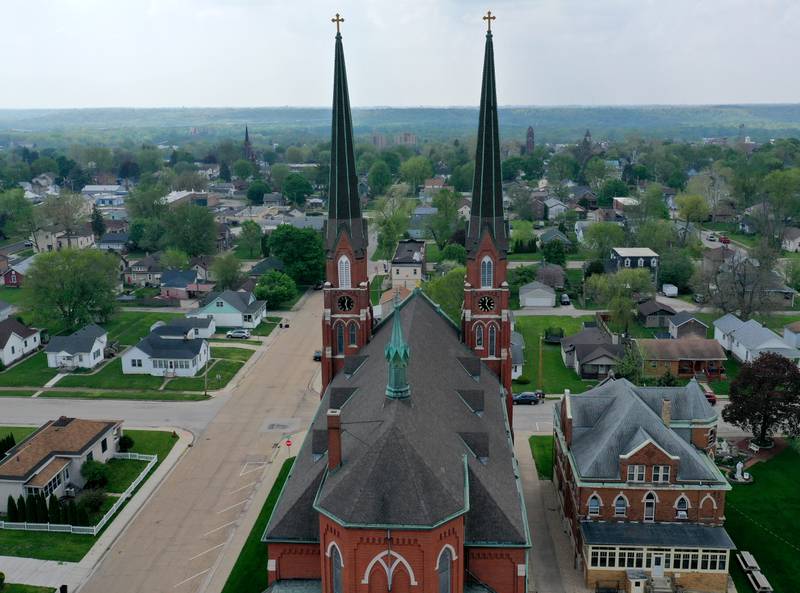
x=661 y=473
x=636 y=473
x=487 y=272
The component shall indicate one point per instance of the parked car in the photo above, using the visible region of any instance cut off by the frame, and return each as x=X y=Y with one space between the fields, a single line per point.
x=699 y=298
x=565 y=298
x=238 y=334
x=724 y=240
x=319 y=286
x=317 y=355
x=711 y=237
x=711 y=397
x=530 y=398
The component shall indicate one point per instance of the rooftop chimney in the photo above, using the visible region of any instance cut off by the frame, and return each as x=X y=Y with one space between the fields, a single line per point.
x=666 y=411
x=334 y=438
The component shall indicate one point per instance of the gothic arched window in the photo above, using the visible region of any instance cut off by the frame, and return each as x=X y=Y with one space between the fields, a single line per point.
x=487 y=272
x=479 y=336
x=620 y=506
x=352 y=331
x=344 y=272
x=339 y=338
x=492 y=340
x=336 y=570
x=445 y=571
x=594 y=505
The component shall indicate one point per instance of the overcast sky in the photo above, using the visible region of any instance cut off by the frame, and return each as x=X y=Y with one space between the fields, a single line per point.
x=152 y=53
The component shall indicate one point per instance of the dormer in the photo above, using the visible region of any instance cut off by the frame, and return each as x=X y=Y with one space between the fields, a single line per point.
x=647 y=462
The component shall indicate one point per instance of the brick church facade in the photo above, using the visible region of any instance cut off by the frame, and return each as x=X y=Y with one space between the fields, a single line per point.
x=407 y=480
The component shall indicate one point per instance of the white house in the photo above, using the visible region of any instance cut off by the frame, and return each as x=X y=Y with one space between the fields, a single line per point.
x=83 y=349
x=408 y=264
x=554 y=208
x=791 y=334
x=232 y=309
x=49 y=460
x=791 y=239
x=188 y=328
x=16 y=341
x=164 y=357
x=517 y=354
x=537 y=294
x=747 y=340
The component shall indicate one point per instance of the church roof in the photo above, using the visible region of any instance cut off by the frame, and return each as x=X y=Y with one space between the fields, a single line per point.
x=344 y=208
x=415 y=462
x=487 y=191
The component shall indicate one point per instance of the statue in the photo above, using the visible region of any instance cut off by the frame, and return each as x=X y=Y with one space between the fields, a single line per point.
x=739 y=467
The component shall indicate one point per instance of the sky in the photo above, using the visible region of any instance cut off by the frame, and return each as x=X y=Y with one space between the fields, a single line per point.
x=400 y=53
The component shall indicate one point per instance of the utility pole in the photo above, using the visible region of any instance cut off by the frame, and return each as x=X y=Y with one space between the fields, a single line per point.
x=540 y=376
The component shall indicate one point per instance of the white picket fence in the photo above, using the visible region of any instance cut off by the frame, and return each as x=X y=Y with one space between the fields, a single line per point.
x=95 y=529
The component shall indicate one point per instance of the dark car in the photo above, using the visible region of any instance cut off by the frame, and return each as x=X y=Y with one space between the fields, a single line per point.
x=317 y=355
x=319 y=286
x=530 y=398
x=565 y=299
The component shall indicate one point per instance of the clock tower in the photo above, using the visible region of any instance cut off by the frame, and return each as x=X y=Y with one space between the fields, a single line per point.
x=347 y=319
x=486 y=318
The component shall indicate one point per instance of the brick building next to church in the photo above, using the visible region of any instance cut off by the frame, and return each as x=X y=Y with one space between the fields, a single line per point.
x=407 y=480
x=642 y=499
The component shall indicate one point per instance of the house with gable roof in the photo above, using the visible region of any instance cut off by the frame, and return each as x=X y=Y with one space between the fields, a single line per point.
x=747 y=340
x=232 y=309
x=592 y=353
x=17 y=341
x=82 y=349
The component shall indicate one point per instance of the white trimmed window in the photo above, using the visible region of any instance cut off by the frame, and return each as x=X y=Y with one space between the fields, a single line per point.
x=661 y=473
x=627 y=262
x=594 y=505
x=479 y=336
x=344 y=272
x=636 y=473
x=649 y=507
x=682 y=508
x=444 y=569
x=336 y=570
x=492 y=340
x=352 y=334
x=487 y=272
x=620 y=506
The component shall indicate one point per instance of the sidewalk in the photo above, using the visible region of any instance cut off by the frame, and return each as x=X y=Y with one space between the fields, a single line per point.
x=48 y=573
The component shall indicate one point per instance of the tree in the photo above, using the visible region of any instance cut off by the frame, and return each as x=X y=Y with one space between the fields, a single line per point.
x=73 y=287
x=602 y=237
x=442 y=224
x=192 y=229
x=66 y=210
x=43 y=165
x=16 y=214
x=243 y=169
x=278 y=174
x=461 y=178
x=610 y=189
x=226 y=269
x=147 y=202
x=512 y=167
x=301 y=252
x=379 y=177
x=603 y=288
x=553 y=253
x=11 y=509
x=95 y=473
x=297 y=188
x=691 y=209
x=415 y=171
x=250 y=238
x=22 y=509
x=455 y=252
x=667 y=380
x=54 y=510
x=276 y=288
x=98 y=224
x=256 y=191
x=174 y=259
x=620 y=309
x=764 y=398
x=225 y=172
x=630 y=366
x=147 y=234
x=562 y=167
x=125 y=443
x=392 y=216
x=595 y=172
x=676 y=268
x=447 y=291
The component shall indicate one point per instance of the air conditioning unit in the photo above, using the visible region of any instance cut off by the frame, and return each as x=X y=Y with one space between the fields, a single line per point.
x=69 y=491
x=682 y=515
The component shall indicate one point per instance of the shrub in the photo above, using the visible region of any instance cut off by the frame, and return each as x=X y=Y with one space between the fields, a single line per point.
x=2 y=581
x=522 y=380
x=72 y=513
x=22 y=511
x=125 y=443
x=54 y=510
x=95 y=473
x=91 y=500
x=82 y=517
x=11 y=510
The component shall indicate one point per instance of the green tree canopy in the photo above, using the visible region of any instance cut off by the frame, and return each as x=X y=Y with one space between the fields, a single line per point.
x=553 y=253
x=243 y=169
x=250 y=238
x=676 y=268
x=226 y=269
x=301 y=252
x=448 y=291
x=276 y=288
x=379 y=178
x=455 y=252
x=297 y=188
x=610 y=189
x=601 y=237
x=442 y=224
x=174 y=259
x=147 y=202
x=278 y=174
x=191 y=229
x=415 y=171
x=256 y=191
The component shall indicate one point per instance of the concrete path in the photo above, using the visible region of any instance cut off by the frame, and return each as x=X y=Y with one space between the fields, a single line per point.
x=47 y=573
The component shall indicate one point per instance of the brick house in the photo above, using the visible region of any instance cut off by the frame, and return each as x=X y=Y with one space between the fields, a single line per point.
x=642 y=501
x=685 y=357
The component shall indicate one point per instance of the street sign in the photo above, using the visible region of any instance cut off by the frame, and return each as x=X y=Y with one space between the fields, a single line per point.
x=288 y=442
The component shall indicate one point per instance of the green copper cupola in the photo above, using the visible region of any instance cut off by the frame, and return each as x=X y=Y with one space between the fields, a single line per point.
x=397 y=354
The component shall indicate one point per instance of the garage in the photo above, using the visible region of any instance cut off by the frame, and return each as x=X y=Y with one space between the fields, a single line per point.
x=537 y=294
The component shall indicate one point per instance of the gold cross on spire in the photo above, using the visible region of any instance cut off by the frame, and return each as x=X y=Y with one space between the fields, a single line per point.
x=489 y=18
x=337 y=19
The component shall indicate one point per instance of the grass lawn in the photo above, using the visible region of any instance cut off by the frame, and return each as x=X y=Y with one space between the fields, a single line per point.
x=14 y=588
x=732 y=367
x=755 y=526
x=542 y=451
x=557 y=377
x=248 y=574
x=375 y=289
x=127 y=395
x=776 y=322
x=16 y=296
x=16 y=393
x=521 y=230
x=240 y=354
x=235 y=341
x=287 y=306
x=19 y=432
x=31 y=372
x=111 y=377
x=128 y=327
x=264 y=328
x=67 y=547
x=225 y=369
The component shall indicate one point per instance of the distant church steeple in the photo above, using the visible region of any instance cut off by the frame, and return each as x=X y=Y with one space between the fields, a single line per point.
x=248 y=148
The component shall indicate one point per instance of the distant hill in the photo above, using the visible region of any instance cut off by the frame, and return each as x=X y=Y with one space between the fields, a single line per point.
x=552 y=124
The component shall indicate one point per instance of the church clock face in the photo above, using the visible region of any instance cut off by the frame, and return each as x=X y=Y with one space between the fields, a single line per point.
x=486 y=303
x=345 y=303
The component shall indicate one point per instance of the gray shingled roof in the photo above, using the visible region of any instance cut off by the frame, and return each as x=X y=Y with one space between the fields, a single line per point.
x=517 y=348
x=238 y=300
x=616 y=417
x=684 y=317
x=652 y=306
x=409 y=251
x=411 y=462
x=727 y=323
x=79 y=342
x=158 y=347
x=668 y=535
x=178 y=278
x=535 y=285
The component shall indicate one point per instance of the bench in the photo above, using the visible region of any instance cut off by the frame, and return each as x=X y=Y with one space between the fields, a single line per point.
x=748 y=562
x=753 y=447
x=759 y=582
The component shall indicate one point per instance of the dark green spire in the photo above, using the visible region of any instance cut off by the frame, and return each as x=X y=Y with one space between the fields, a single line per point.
x=344 y=207
x=487 y=189
x=397 y=354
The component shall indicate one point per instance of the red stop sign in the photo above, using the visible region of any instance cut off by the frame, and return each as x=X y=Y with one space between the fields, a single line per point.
x=288 y=442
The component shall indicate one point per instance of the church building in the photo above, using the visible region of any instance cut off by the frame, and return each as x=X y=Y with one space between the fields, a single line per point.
x=407 y=480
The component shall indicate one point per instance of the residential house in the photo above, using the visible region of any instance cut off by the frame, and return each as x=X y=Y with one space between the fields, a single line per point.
x=418 y=227
x=386 y=305
x=685 y=325
x=408 y=263
x=748 y=224
x=605 y=215
x=90 y=191
x=747 y=340
x=55 y=238
x=714 y=258
x=114 y=242
x=177 y=284
x=623 y=204
x=315 y=204
x=49 y=460
x=643 y=504
x=724 y=211
x=791 y=334
x=145 y=272
x=201 y=265
x=791 y=239
x=232 y=309
x=537 y=294
x=623 y=258
x=580 y=229
x=583 y=195
x=464 y=208
x=592 y=353
x=176 y=198
x=266 y=265
x=652 y=313
x=187 y=328
x=83 y=349
x=553 y=234
x=6 y=310
x=224 y=237
x=17 y=341
x=517 y=354
x=14 y=276
x=165 y=357
x=686 y=357
x=4 y=263
x=554 y=208
x=274 y=199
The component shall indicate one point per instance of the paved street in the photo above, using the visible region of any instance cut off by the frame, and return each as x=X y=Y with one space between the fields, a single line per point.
x=184 y=534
